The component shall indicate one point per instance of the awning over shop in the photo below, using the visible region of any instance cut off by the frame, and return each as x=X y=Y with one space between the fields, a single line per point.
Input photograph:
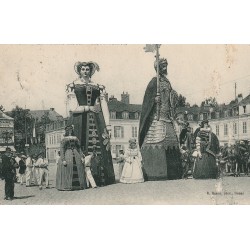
x=3 y=148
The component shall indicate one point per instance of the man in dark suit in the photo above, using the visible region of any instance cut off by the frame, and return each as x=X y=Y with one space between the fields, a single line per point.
x=9 y=174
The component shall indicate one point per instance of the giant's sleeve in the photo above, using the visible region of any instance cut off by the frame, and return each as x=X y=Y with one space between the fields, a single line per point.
x=216 y=144
x=147 y=106
x=72 y=103
x=105 y=109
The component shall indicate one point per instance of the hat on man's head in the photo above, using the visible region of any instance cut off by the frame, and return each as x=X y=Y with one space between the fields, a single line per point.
x=23 y=156
x=132 y=140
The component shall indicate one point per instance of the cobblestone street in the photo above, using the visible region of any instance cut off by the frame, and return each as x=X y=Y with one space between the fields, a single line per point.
x=229 y=190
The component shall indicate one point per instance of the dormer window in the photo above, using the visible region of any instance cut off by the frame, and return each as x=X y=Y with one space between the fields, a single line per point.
x=112 y=115
x=136 y=115
x=244 y=109
x=190 y=117
x=125 y=115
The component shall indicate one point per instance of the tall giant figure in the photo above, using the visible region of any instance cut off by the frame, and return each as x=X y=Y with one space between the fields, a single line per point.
x=158 y=139
x=91 y=118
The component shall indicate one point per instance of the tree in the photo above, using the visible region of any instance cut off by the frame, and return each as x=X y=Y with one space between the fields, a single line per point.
x=195 y=106
x=41 y=127
x=181 y=101
x=22 y=127
x=211 y=101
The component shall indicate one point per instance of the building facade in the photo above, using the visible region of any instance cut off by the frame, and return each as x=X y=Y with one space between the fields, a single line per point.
x=231 y=122
x=53 y=136
x=6 y=132
x=124 y=121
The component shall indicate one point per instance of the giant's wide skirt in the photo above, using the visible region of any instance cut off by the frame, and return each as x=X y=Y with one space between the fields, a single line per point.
x=161 y=164
x=205 y=167
x=90 y=129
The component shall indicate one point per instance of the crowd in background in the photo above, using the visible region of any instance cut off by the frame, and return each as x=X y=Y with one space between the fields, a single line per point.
x=23 y=169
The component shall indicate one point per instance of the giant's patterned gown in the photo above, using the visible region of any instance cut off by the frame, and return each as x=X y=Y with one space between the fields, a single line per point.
x=71 y=176
x=157 y=139
x=90 y=129
x=208 y=144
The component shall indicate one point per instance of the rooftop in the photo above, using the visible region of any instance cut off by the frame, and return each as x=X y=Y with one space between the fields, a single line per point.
x=245 y=101
x=51 y=113
x=4 y=116
x=117 y=106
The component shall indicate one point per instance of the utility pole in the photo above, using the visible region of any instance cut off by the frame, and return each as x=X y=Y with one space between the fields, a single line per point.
x=235 y=87
x=238 y=113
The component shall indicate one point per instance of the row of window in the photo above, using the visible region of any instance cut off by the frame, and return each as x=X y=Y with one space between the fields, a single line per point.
x=235 y=129
x=54 y=139
x=213 y=115
x=119 y=132
x=124 y=115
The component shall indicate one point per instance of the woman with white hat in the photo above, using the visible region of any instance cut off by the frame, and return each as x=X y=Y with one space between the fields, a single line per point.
x=132 y=170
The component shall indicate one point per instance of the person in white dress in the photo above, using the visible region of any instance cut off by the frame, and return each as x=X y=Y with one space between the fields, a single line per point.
x=132 y=170
x=29 y=171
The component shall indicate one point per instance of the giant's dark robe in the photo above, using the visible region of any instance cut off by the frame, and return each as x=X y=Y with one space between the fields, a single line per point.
x=157 y=139
x=208 y=144
x=90 y=129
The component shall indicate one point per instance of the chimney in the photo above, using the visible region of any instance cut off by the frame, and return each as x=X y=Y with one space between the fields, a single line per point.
x=52 y=109
x=125 y=97
x=239 y=98
x=112 y=97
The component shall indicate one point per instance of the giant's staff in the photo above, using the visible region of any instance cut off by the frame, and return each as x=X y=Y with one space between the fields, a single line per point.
x=155 y=48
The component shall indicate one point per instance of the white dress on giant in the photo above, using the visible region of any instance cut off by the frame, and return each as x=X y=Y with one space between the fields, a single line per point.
x=132 y=170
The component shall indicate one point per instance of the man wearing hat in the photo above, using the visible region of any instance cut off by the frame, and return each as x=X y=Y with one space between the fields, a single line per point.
x=22 y=169
x=9 y=174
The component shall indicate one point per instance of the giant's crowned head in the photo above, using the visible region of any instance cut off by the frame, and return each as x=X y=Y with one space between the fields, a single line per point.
x=86 y=69
x=163 y=66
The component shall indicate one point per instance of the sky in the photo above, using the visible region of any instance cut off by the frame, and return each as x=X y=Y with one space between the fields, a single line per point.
x=35 y=76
